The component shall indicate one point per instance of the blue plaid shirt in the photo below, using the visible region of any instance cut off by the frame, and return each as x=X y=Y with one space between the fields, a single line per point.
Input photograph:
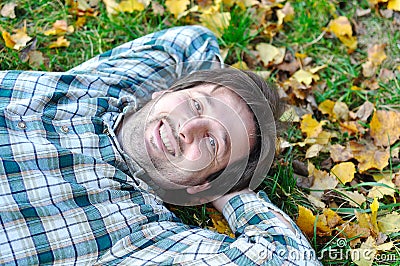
x=69 y=194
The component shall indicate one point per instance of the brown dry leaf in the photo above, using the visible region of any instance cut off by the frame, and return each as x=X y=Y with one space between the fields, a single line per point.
x=60 y=27
x=8 y=10
x=341 y=27
x=365 y=111
x=369 y=69
x=344 y=171
x=390 y=223
x=340 y=153
x=36 y=58
x=310 y=126
x=376 y=54
x=355 y=199
x=384 y=127
x=61 y=42
x=271 y=54
x=352 y=128
x=353 y=230
x=369 y=156
x=387 y=188
x=322 y=181
x=176 y=7
x=158 y=9
x=341 y=111
x=332 y=218
x=394 y=5
x=313 y=151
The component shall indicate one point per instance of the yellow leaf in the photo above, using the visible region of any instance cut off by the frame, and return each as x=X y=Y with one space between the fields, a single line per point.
x=369 y=156
x=8 y=40
x=132 y=5
x=365 y=255
x=305 y=220
x=59 y=27
x=384 y=127
x=177 y=7
x=390 y=223
x=344 y=171
x=376 y=54
x=270 y=54
x=323 y=138
x=310 y=126
x=240 y=65
x=349 y=41
x=305 y=77
x=355 y=199
x=326 y=107
x=112 y=7
x=394 y=5
x=61 y=42
x=374 y=212
x=216 y=22
x=341 y=26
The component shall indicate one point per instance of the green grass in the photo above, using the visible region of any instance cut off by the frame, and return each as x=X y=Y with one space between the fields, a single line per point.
x=304 y=34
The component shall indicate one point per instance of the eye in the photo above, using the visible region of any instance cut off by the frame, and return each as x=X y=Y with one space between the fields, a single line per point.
x=212 y=142
x=197 y=106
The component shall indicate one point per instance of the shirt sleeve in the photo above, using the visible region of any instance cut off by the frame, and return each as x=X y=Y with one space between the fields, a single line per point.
x=261 y=239
x=153 y=62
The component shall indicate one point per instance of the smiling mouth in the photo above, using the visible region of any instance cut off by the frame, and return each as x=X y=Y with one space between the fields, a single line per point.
x=164 y=138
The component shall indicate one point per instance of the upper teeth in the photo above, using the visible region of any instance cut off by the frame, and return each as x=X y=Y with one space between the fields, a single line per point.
x=165 y=139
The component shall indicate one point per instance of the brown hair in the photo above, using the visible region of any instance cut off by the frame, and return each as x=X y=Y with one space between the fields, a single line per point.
x=264 y=103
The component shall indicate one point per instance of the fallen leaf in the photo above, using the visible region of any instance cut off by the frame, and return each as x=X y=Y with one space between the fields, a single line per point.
x=176 y=7
x=134 y=5
x=387 y=188
x=394 y=5
x=344 y=171
x=365 y=255
x=8 y=10
x=240 y=65
x=351 y=128
x=390 y=223
x=326 y=107
x=341 y=27
x=305 y=77
x=354 y=198
x=61 y=42
x=59 y=27
x=365 y=111
x=384 y=127
x=270 y=54
x=369 y=156
x=341 y=111
x=216 y=22
x=355 y=232
x=340 y=153
x=313 y=151
x=36 y=59
x=7 y=39
x=305 y=221
x=376 y=54
x=368 y=69
x=322 y=181
x=17 y=40
x=310 y=126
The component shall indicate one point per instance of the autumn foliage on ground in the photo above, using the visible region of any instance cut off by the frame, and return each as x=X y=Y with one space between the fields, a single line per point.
x=340 y=81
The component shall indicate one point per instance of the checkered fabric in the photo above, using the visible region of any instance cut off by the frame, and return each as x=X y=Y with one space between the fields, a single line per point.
x=68 y=193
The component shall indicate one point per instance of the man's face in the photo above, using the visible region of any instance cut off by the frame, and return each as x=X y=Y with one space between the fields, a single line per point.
x=182 y=137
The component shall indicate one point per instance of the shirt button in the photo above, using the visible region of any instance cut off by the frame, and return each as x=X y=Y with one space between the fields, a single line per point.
x=65 y=129
x=21 y=124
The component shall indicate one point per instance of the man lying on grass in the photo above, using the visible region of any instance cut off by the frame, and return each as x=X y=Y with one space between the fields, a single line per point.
x=88 y=155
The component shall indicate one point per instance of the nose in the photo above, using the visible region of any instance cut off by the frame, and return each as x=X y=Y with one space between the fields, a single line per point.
x=193 y=130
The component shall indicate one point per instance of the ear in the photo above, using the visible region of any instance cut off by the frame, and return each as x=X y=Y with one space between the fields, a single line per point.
x=198 y=188
x=157 y=94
